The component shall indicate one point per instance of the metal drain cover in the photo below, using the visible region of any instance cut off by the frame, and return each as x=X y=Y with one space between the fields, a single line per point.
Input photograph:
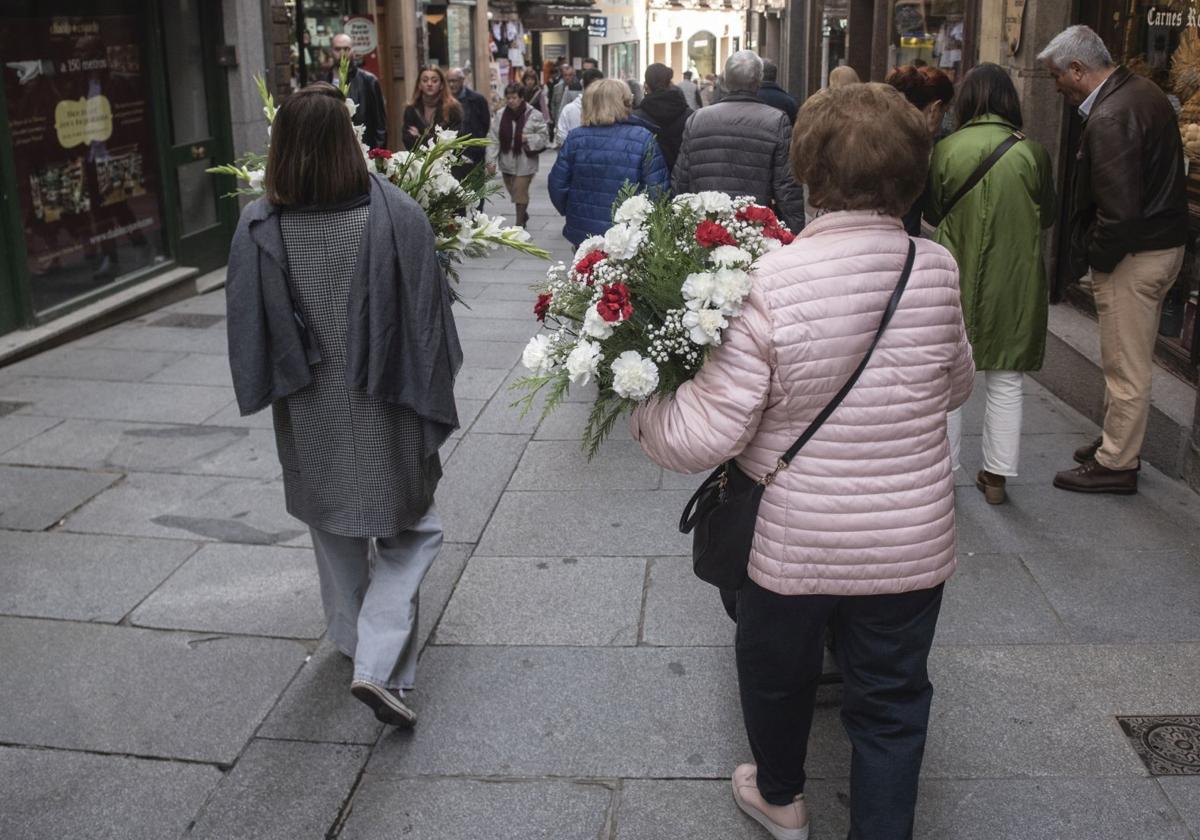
x=1167 y=745
x=190 y=320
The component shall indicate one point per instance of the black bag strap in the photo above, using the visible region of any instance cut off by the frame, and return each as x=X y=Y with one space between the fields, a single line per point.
x=981 y=170
x=786 y=458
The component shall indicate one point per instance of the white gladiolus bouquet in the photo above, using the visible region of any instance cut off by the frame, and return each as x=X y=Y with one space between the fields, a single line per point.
x=428 y=175
x=639 y=308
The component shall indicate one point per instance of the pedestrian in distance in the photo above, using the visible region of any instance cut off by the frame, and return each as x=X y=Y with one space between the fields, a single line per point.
x=567 y=88
x=858 y=532
x=770 y=93
x=599 y=158
x=518 y=135
x=571 y=116
x=433 y=106
x=364 y=91
x=665 y=111
x=533 y=93
x=930 y=92
x=477 y=117
x=1129 y=223
x=362 y=396
x=990 y=196
x=843 y=75
x=739 y=146
x=690 y=91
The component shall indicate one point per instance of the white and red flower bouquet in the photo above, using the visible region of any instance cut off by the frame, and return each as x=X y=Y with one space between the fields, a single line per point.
x=639 y=308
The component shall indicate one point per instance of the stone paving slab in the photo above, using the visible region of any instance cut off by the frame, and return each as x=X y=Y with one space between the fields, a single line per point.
x=33 y=499
x=197 y=369
x=1042 y=456
x=94 y=400
x=1114 y=596
x=230 y=416
x=190 y=507
x=281 y=791
x=85 y=578
x=439 y=584
x=1048 y=710
x=993 y=600
x=389 y=808
x=72 y=362
x=477 y=384
x=497 y=329
x=15 y=429
x=508 y=292
x=146 y=447
x=517 y=309
x=249 y=590
x=141 y=336
x=567 y=601
x=473 y=482
x=318 y=706
x=633 y=523
x=137 y=692
x=1184 y=794
x=77 y=796
x=682 y=610
x=491 y=354
x=563 y=465
x=567 y=422
x=583 y=713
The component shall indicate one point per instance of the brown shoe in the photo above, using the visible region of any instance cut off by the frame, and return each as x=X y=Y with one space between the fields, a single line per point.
x=1094 y=478
x=1087 y=453
x=992 y=487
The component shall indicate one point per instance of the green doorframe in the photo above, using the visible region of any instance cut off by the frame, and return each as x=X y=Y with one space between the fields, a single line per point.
x=16 y=309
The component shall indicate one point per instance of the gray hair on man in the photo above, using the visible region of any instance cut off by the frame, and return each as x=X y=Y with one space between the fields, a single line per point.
x=1079 y=44
x=743 y=71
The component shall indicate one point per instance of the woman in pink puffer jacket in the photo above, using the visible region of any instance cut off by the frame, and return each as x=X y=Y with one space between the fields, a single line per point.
x=859 y=531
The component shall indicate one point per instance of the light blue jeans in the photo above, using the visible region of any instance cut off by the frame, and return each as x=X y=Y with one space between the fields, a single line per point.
x=373 y=612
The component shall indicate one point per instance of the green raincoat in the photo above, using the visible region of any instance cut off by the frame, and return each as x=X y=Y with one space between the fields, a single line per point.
x=995 y=234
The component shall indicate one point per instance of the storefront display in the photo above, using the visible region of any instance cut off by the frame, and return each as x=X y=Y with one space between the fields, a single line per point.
x=84 y=152
x=929 y=32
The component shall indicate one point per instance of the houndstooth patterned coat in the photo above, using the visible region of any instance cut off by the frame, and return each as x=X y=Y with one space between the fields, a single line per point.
x=352 y=465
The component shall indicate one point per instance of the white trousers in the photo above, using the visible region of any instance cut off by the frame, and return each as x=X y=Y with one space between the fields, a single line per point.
x=1001 y=423
x=372 y=612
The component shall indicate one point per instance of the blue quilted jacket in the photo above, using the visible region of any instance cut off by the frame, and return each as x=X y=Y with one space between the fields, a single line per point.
x=593 y=164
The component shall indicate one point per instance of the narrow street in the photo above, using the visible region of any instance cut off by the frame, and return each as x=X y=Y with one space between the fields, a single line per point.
x=165 y=674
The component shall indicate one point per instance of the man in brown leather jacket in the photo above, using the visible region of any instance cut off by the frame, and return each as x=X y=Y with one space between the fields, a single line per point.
x=1128 y=227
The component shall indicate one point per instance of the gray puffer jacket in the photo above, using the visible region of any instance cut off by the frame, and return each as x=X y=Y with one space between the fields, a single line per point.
x=739 y=146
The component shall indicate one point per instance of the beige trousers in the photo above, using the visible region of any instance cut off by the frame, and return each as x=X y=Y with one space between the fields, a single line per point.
x=1128 y=302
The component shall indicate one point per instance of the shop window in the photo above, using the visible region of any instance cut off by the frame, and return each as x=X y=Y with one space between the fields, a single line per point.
x=928 y=32
x=621 y=62
x=835 y=22
x=702 y=54
x=312 y=56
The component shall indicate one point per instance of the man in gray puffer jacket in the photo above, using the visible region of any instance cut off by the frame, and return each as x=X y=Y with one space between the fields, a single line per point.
x=739 y=146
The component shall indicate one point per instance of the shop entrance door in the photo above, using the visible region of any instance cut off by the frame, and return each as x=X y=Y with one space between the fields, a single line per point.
x=198 y=124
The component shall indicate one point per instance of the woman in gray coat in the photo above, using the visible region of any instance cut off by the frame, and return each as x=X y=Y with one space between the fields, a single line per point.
x=339 y=319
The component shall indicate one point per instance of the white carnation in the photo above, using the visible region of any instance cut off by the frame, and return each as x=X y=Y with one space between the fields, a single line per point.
x=595 y=325
x=583 y=361
x=730 y=287
x=690 y=200
x=699 y=287
x=704 y=325
x=256 y=178
x=634 y=378
x=728 y=256
x=351 y=106
x=634 y=210
x=538 y=356
x=622 y=241
x=592 y=243
x=444 y=183
x=715 y=202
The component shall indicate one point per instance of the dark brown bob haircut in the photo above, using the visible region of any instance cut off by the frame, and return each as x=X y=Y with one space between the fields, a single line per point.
x=315 y=158
x=861 y=147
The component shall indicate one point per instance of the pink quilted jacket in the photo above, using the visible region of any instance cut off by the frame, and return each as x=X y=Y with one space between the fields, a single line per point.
x=867 y=507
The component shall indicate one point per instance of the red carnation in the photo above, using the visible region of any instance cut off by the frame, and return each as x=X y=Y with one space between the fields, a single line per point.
x=379 y=154
x=542 y=306
x=585 y=265
x=614 y=303
x=758 y=214
x=710 y=235
x=776 y=231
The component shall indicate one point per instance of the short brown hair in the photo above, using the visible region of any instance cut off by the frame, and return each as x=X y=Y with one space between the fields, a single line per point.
x=861 y=147
x=315 y=157
x=921 y=85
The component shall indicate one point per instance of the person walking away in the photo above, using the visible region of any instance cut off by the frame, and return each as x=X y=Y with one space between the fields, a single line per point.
x=859 y=530
x=362 y=397
x=365 y=91
x=518 y=135
x=477 y=118
x=994 y=230
x=690 y=91
x=843 y=75
x=571 y=116
x=599 y=158
x=770 y=93
x=433 y=107
x=665 y=110
x=533 y=93
x=930 y=92
x=565 y=89
x=1129 y=223
x=739 y=146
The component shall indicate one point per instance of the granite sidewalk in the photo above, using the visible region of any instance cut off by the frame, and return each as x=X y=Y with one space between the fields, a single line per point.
x=163 y=673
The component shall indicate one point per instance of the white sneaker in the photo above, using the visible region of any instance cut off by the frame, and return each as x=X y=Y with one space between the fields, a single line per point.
x=388 y=706
x=784 y=822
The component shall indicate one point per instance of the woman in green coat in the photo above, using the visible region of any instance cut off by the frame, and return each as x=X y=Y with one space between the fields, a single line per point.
x=995 y=233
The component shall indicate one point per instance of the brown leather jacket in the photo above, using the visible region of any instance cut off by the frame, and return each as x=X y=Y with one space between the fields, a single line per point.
x=1129 y=192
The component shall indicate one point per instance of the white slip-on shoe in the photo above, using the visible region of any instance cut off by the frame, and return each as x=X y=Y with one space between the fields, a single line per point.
x=386 y=704
x=783 y=822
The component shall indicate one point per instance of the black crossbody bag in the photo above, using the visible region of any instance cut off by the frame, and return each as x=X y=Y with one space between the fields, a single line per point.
x=981 y=170
x=722 y=513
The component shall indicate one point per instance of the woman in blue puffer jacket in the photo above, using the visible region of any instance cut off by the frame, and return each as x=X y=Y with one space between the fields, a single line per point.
x=599 y=157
